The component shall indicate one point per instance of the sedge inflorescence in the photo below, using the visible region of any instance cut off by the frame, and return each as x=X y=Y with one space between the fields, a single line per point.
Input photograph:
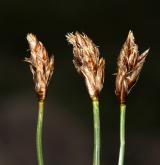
x=41 y=65
x=129 y=65
x=87 y=62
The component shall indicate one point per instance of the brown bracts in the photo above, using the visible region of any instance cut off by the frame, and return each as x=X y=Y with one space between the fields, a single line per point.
x=87 y=62
x=41 y=66
x=129 y=64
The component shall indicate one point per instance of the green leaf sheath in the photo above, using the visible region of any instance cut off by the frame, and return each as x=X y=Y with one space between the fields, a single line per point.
x=39 y=133
x=96 y=123
x=122 y=134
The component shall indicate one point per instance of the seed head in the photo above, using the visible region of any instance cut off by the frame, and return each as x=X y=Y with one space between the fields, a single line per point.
x=41 y=66
x=129 y=64
x=87 y=62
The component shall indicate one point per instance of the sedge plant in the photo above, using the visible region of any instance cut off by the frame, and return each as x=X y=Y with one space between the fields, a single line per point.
x=88 y=63
x=42 y=68
x=129 y=66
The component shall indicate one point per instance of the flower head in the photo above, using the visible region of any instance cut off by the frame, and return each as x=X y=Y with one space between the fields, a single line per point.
x=41 y=65
x=129 y=64
x=87 y=62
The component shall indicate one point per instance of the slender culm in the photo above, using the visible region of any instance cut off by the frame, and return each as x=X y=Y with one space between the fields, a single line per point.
x=39 y=133
x=88 y=63
x=96 y=123
x=122 y=134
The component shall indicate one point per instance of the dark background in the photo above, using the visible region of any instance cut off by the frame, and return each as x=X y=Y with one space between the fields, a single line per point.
x=68 y=128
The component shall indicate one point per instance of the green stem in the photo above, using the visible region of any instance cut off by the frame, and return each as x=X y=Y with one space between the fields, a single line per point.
x=39 y=133
x=96 y=122
x=122 y=134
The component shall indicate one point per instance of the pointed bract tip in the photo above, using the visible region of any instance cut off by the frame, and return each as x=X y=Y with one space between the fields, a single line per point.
x=77 y=33
x=32 y=40
x=70 y=38
x=147 y=51
x=30 y=36
x=130 y=36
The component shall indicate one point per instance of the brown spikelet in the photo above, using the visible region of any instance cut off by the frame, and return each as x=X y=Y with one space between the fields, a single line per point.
x=41 y=66
x=129 y=64
x=87 y=62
